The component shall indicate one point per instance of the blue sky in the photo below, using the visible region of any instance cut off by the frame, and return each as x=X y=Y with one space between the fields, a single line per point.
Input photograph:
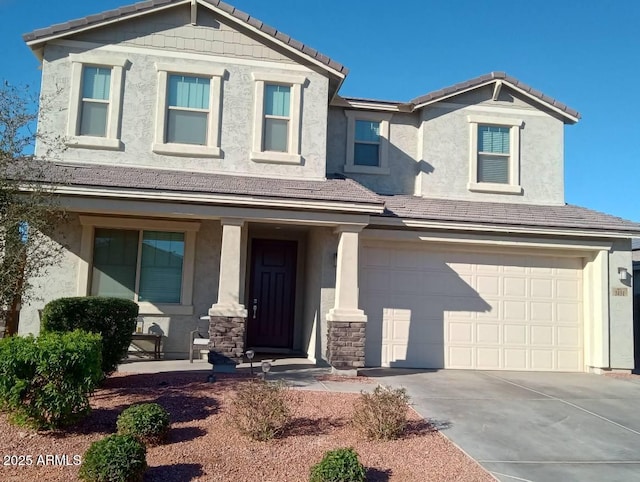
x=584 y=53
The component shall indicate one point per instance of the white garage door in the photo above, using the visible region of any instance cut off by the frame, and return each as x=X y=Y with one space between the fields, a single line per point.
x=438 y=309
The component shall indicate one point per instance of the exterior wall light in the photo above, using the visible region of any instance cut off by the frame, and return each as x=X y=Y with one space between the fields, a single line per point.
x=622 y=273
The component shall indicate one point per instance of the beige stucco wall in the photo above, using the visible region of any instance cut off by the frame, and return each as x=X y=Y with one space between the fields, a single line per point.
x=319 y=290
x=61 y=281
x=621 y=307
x=446 y=148
x=403 y=131
x=140 y=92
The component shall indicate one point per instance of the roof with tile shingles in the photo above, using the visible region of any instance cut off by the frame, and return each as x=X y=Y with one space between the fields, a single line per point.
x=511 y=214
x=440 y=94
x=122 y=13
x=98 y=175
x=339 y=190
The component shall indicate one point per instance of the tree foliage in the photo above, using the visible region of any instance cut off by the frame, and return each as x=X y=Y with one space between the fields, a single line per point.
x=28 y=207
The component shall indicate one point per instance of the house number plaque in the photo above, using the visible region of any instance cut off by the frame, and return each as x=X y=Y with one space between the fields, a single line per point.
x=619 y=291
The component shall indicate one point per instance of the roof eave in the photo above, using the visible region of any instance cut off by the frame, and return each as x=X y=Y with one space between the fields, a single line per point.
x=502 y=228
x=571 y=119
x=233 y=15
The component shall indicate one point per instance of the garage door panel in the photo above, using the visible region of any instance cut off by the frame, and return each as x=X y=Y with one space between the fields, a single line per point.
x=488 y=333
x=434 y=309
x=459 y=332
x=513 y=286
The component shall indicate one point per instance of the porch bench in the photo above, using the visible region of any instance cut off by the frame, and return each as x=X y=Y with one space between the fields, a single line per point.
x=197 y=341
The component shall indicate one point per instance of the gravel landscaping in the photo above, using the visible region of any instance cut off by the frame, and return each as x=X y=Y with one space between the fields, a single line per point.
x=202 y=446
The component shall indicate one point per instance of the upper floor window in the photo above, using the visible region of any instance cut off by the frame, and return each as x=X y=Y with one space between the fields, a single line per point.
x=96 y=101
x=277 y=118
x=277 y=115
x=94 y=110
x=494 y=154
x=367 y=142
x=366 y=148
x=188 y=110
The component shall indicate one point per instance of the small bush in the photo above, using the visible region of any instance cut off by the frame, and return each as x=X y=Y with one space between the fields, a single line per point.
x=340 y=465
x=46 y=381
x=148 y=422
x=114 y=318
x=261 y=410
x=381 y=415
x=116 y=458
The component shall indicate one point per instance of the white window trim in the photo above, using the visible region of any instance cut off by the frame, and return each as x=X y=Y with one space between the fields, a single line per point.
x=215 y=74
x=383 y=152
x=118 y=64
x=90 y=223
x=292 y=156
x=513 y=187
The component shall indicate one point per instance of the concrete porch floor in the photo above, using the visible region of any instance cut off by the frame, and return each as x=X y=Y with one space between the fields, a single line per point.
x=300 y=373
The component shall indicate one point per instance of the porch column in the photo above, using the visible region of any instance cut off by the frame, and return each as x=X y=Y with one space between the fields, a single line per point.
x=346 y=322
x=228 y=316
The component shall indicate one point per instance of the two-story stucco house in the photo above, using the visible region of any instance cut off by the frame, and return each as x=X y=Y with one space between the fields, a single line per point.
x=212 y=168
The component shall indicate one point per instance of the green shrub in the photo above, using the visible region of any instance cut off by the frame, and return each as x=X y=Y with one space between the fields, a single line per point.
x=46 y=381
x=148 y=422
x=340 y=465
x=381 y=415
x=262 y=410
x=116 y=458
x=114 y=318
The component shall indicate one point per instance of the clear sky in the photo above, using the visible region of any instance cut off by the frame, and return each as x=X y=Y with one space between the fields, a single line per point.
x=585 y=53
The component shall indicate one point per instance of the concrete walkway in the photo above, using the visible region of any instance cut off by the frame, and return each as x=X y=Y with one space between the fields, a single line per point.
x=533 y=426
x=299 y=373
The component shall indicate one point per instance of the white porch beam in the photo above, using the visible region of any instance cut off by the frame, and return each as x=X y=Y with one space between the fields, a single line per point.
x=230 y=270
x=347 y=287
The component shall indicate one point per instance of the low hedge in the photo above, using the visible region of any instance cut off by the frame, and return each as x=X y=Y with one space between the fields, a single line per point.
x=148 y=422
x=46 y=381
x=113 y=318
x=115 y=458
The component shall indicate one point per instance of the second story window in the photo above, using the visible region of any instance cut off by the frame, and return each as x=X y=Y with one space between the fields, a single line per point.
x=494 y=158
x=277 y=114
x=366 y=149
x=95 y=108
x=188 y=110
x=367 y=142
x=277 y=121
x=493 y=154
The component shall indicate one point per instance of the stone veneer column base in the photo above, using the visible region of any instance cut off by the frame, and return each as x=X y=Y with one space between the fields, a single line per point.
x=226 y=340
x=345 y=344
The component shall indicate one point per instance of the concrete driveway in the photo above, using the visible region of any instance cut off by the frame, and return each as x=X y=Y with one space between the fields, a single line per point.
x=533 y=426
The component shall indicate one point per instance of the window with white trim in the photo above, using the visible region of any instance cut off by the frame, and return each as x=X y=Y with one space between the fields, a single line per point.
x=277 y=118
x=494 y=154
x=367 y=142
x=138 y=265
x=188 y=110
x=96 y=101
x=149 y=261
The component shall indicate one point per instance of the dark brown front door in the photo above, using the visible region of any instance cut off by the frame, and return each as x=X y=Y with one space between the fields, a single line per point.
x=272 y=293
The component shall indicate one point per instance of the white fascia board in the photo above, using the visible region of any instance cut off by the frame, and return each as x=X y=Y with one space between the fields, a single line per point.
x=220 y=199
x=272 y=39
x=94 y=206
x=369 y=105
x=486 y=240
x=504 y=82
x=458 y=226
x=66 y=33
